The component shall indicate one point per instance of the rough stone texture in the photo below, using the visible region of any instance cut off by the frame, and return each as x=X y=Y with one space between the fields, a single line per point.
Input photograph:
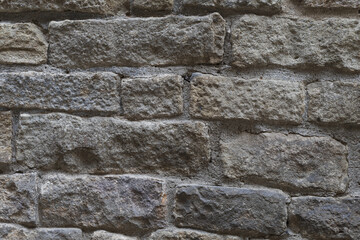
x=132 y=205
x=184 y=234
x=295 y=42
x=332 y=3
x=103 y=235
x=326 y=218
x=151 y=7
x=152 y=97
x=172 y=40
x=334 y=102
x=291 y=162
x=237 y=211
x=66 y=92
x=22 y=43
x=214 y=97
x=111 y=145
x=89 y=6
x=5 y=138
x=18 y=198
x=232 y=7
x=15 y=232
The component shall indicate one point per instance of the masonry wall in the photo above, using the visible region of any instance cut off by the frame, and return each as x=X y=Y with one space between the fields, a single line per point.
x=176 y=120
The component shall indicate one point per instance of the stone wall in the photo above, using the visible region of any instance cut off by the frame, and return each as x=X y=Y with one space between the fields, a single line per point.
x=179 y=120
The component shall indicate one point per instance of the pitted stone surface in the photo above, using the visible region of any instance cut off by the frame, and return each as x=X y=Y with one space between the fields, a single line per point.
x=152 y=7
x=67 y=92
x=103 y=235
x=332 y=3
x=5 y=139
x=133 y=42
x=185 y=234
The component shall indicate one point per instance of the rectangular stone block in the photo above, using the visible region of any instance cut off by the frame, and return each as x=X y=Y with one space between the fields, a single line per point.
x=332 y=3
x=186 y=234
x=214 y=97
x=5 y=138
x=22 y=43
x=232 y=7
x=334 y=102
x=152 y=7
x=325 y=218
x=130 y=205
x=103 y=235
x=88 y=6
x=152 y=97
x=18 y=199
x=296 y=43
x=236 y=211
x=110 y=145
x=66 y=92
x=133 y=42
x=312 y=165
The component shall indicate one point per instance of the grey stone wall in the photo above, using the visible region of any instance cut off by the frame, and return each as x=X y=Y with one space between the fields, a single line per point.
x=179 y=119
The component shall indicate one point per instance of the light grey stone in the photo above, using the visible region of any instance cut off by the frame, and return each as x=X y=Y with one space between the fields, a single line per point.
x=214 y=97
x=111 y=145
x=15 y=232
x=5 y=138
x=67 y=92
x=325 y=218
x=18 y=199
x=22 y=43
x=291 y=162
x=187 y=234
x=259 y=41
x=227 y=210
x=152 y=7
x=332 y=3
x=103 y=235
x=334 y=102
x=152 y=97
x=132 y=205
x=133 y=42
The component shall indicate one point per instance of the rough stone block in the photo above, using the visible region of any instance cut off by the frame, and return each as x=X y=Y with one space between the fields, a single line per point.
x=214 y=97
x=259 y=41
x=22 y=43
x=15 y=232
x=133 y=205
x=18 y=199
x=334 y=102
x=103 y=235
x=152 y=97
x=325 y=218
x=185 y=234
x=66 y=92
x=291 y=162
x=237 y=211
x=133 y=42
x=152 y=7
x=5 y=138
x=111 y=145
x=332 y=3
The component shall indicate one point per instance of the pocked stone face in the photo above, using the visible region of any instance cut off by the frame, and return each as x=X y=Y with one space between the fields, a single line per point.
x=5 y=139
x=103 y=235
x=186 y=234
x=332 y=3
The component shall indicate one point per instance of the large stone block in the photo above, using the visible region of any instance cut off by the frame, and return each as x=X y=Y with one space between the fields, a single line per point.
x=237 y=211
x=172 y=40
x=89 y=6
x=214 y=97
x=296 y=43
x=66 y=92
x=111 y=145
x=325 y=218
x=152 y=97
x=291 y=162
x=5 y=138
x=103 y=235
x=334 y=102
x=133 y=205
x=18 y=199
x=185 y=234
x=332 y=3
x=22 y=43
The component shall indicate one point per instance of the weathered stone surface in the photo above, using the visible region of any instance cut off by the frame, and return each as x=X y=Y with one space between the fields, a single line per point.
x=22 y=43
x=67 y=92
x=5 y=138
x=232 y=7
x=15 y=232
x=18 y=198
x=214 y=97
x=152 y=97
x=103 y=235
x=184 y=234
x=172 y=40
x=325 y=218
x=89 y=6
x=111 y=145
x=132 y=205
x=294 y=42
x=151 y=7
x=291 y=162
x=334 y=102
x=332 y=3
x=237 y=211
